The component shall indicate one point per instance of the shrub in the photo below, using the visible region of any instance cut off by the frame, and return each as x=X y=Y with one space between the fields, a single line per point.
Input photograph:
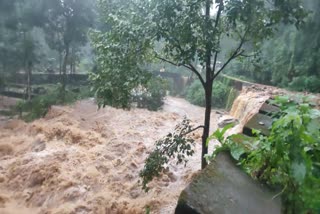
x=288 y=159
x=305 y=83
x=195 y=94
x=151 y=96
x=39 y=106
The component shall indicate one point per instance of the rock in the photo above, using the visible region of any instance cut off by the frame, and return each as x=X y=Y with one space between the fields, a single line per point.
x=223 y=188
x=225 y=120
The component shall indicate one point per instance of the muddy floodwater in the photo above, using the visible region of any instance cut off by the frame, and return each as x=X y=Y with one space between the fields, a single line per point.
x=82 y=160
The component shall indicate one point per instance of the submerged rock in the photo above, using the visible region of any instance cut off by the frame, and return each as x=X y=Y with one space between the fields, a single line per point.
x=223 y=188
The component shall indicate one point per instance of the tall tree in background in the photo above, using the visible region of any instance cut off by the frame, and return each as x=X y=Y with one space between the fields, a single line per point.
x=10 y=54
x=190 y=31
x=20 y=19
x=69 y=21
x=289 y=60
x=30 y=15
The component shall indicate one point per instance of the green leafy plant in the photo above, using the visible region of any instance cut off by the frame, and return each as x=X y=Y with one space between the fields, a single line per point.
x=183 y=33
x=176 y=145
x=288 y=159
x=39 y=106
x=306 y=83
x=196 y=95
x=152 y=95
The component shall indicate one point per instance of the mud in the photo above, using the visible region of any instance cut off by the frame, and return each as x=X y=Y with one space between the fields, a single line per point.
x=82 y=160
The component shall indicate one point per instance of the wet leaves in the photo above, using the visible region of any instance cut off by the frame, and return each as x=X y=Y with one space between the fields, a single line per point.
x=177 y=145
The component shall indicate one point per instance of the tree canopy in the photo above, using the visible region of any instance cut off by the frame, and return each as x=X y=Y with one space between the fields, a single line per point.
x=186 y=33
x=291 y=59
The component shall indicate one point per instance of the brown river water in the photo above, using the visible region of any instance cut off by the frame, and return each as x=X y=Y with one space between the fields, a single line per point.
x=79 y=159
x=82 y=160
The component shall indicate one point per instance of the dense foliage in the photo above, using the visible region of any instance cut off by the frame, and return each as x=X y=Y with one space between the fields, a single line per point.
x=39 y=106
x=47 y=36
x=287 y=160
x=177 y=145
x=184 y=33
x=221 y=91
x=291 y=59
x=152 y=95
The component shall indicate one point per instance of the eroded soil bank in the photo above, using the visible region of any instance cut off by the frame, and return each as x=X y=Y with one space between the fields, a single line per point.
x=82 y=160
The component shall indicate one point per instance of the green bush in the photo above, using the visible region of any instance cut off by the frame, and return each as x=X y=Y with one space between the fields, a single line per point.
x=39 y=106
x=195 y=94
x=288 y=160
x=151 y=96
x=305 y=83
x=221 y=91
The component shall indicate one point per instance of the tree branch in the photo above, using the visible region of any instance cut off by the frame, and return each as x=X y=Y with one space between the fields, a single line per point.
x=246 y=55
x=236 y=53
x=189 y=66
x=168 y=61
x=215 y=26
x=192 y=68
x=192 y=130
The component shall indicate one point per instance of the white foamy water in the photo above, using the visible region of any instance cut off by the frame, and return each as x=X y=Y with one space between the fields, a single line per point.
x=82 y=160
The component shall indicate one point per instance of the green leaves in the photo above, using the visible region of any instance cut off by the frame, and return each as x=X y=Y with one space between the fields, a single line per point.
x=188 y=38
x=289 y=156
x=121 y=53
x=176 y=145
x=219 y=134
x=299 y=171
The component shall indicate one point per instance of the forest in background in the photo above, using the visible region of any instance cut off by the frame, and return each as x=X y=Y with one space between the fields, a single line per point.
x=118 y=46
x=42 y=36
x=46 y=36
x=290 y=59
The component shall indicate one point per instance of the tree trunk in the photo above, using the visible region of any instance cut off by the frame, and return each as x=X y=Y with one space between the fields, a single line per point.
x=208 y=91
x=64 y=68
x=60 y=63
x=29 y=74
x=206 y=129
x=74 y=67
x=71 y=67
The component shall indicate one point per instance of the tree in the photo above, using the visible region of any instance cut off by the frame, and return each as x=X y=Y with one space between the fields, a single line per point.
x=290 y=59
x=68 y=24
x=20 y=19
x=189 y=31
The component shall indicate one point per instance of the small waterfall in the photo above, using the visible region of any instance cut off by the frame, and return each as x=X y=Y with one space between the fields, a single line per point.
x=246 y=105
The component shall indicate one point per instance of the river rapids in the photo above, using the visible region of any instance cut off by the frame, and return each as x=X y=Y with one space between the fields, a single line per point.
x=78 y=159
x=82 y=160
